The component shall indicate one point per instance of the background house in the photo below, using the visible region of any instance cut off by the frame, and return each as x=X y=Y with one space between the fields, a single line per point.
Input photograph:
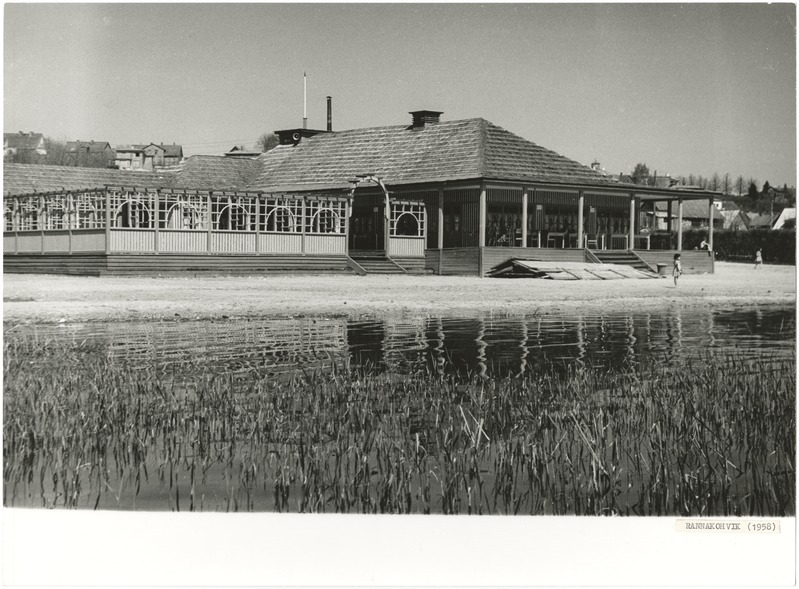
x=29 y=146
x=94 y=154
x=147 y=156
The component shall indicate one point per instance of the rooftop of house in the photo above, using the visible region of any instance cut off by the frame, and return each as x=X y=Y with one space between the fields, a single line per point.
x=691 y=209
x=23 y=140
x=764 y=220
x=90 y=146
x=402 y=154
x=30 y=178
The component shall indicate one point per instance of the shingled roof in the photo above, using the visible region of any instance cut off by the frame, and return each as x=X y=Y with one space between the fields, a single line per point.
x=214 y=172
x=445 y=151
x=691 y=209
x=30 y=178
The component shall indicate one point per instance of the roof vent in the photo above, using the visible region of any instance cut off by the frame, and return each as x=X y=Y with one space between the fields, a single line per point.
x=425 y=117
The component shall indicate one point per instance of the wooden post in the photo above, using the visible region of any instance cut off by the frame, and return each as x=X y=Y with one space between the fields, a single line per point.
x=257 y=223
x=15 y=224
x=679 y=225
x=440 y=238
x=302 y=228
x=387 y=225
x=668 y=216
x=710 y=208
x=69 y=207
x=208 y=220
x=107 y=221
x=631 y=231
x=42 y=219
x=525 y=198
x=580 y=210
x=156 y=220
x=481 y=230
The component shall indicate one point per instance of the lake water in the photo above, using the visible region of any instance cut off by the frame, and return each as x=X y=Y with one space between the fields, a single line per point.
x=489 y=346
x=177 y=439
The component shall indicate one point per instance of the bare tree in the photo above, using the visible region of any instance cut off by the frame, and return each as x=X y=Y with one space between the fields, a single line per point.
x=714 y=182
x=267 y=141
x=726 y=184
x=739 y=185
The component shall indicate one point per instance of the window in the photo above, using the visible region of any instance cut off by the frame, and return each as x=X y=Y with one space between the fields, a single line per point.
x=407 y=219
x=8 y=213
x=182 y=211
x=28 y=213
x=326 y=216
x=88 y=210
x=57 y=212
x=233 y=213
x=281 y=215
x=132 y=209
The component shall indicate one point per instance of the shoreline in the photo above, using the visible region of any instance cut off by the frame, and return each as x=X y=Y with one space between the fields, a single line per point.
x=30 y=298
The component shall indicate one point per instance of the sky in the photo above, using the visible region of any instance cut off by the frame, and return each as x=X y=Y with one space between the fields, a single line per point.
x=686 y=89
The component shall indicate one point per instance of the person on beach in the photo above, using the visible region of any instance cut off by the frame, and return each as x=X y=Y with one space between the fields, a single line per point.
x=677 y=269
x=758 y=259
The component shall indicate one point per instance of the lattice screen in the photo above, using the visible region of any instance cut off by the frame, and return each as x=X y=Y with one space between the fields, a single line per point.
x=407 y=219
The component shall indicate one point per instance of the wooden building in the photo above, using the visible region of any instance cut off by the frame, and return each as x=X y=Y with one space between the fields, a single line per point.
x=447 y=197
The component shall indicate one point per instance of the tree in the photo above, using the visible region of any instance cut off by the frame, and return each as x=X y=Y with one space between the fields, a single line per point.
x=691 y=180
x=267 y=141
x=726 y=184
x=766 y=188
x=640 y=173
x=714 y=182
x=739 y=185
x=753 y=193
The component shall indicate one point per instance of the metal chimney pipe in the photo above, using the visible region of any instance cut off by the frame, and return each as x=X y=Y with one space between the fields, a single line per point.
x=329 y=113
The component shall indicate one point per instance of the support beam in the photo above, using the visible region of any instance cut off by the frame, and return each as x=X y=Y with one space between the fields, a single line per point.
x=208 y=218
x=481 y=230
x=155 y=221
x=580 y=208
x=524 y=217
x=107 y=221
x=679 y=225
x=631 y=232
x=440 y=239
x=710 y=208
x=668 y=215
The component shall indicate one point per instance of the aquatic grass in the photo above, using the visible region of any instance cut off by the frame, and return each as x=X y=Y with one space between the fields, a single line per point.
x=710 y=436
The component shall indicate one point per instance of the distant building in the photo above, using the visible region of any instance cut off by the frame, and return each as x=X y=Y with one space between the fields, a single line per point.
x=17 y=143
x=735 y=219
x=765 y=221
x=148 y=157
x=787 y=214
x=95 y=154
x=694 y=215
x=240 y=151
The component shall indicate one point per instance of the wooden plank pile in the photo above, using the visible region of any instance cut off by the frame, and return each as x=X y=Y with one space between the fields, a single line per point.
x=517 y=268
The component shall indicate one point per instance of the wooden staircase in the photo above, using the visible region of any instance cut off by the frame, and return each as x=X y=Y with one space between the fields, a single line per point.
x=373 y=262
x=625 y=257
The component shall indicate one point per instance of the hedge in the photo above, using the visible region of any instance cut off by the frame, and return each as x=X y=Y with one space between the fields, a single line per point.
x=779 y=246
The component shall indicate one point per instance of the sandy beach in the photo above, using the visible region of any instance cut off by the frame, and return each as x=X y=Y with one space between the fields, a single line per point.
x=46 y=298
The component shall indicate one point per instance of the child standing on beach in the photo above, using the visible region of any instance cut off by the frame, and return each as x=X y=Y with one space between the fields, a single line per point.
x=758 y=259
x=677 y=268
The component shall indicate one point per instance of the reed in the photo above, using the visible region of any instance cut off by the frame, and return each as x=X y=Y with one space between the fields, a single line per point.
x=714 y=436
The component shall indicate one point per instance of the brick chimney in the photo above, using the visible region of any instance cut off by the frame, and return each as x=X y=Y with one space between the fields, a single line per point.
x=425 y=117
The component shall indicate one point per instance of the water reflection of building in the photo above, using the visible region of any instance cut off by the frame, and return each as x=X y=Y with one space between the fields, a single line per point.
x=274 y=345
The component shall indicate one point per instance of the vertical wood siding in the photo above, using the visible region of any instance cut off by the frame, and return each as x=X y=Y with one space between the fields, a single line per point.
x=56 y=241
x=607 y=201
x=88 y=240
x=9 y=243
x=431 y=258
x=29 y=242
x=182 y=241
x=326 y=244
x=233 y=242
x=279 y=243
x=467 y=202
x=460 y=261
x=506 y=196
x=406 y=246
x=132 y=240
x=555 y=198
